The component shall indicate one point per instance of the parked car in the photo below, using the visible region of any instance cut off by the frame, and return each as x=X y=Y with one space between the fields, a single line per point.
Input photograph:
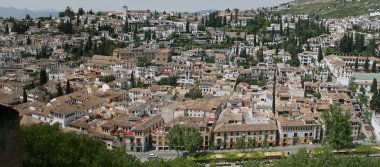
x=152 y=156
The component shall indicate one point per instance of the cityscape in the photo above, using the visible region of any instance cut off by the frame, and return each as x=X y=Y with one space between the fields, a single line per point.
x=295 y=84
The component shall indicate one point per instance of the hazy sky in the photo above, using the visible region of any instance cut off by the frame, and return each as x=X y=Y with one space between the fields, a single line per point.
x=160 y=5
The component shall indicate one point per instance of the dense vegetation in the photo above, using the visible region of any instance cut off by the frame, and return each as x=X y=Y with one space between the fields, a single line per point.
x=335 y=8
x=338 y=127
x=171 y=80
x=184 y=138
x=45 y=145
x=302 y=159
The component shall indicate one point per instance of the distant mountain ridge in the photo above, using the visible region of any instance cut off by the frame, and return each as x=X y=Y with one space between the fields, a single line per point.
x=6 y=12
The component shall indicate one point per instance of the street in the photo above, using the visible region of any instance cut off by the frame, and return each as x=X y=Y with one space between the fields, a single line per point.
x=143 y=156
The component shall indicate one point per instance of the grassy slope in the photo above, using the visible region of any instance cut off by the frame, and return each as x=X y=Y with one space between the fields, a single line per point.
x=334 y=9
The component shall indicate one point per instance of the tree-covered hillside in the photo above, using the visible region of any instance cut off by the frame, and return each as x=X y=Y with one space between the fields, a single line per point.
x=333 y=8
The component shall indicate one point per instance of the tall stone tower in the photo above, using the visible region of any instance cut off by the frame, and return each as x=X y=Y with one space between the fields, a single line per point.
x=125 y=12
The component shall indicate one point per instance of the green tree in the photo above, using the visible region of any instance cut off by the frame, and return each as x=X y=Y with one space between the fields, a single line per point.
x=43 y=77
x=366 y=65
x=201 y=27
x=210 y=59
x=183 y=162
x=371 y=47
x=171 y=80
x=260 y=55
x=338 y=127
x=356 y=64
x=126 y=25
x=107 y=78
x=143 y=61
x=320 y=54
x=28 y=41
x=24 y=96
x=265 y=142
x=194 y=93
x=192 y=139
x=68 y=87
x=359 y=42
x=252 y=163
x=80 y=12
x=39 y=24
x=132 y=80
x=187 y=26
x=251 y=142
x=184 y=138
x=66 y=27
x=59 y=90
x=375 y=102
x=374 y=86
x=44 y=145
x=7 y=29
x=175 y=137
x=135 y=33
x=240 y=144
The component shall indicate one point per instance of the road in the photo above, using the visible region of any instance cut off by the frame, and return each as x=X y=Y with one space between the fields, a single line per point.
x=173 y=154
x=143 y=156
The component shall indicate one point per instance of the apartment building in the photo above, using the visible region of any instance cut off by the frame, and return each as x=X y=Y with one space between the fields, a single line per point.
x=231 y=127
x=302 y=129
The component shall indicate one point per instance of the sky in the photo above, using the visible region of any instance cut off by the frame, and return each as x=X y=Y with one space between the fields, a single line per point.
x=159 y=5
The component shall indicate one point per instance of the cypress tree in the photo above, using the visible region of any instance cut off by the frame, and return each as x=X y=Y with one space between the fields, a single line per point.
x=287 y=30
x=43 y=77
x=68 y=87
x=6 y=29
x=24 y=96
x=237 y=49
x=133 y=80
x=135 y=33
x=187 y=26
x=320 y=54
x=28 y=41
x=374 y=86
x=366 y=64
x=39 y=24
x=225 y=21
x=59 y=89
x=126 y=26
x=356 y=64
